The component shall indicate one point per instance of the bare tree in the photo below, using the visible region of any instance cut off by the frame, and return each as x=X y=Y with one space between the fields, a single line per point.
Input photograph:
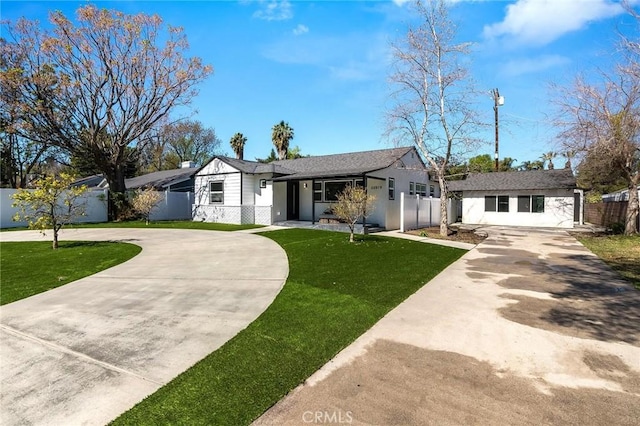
x=432 y=93
x=145 y=201
x=103 y=83
x=188 y=140
x=353 y=204
x=602 y=121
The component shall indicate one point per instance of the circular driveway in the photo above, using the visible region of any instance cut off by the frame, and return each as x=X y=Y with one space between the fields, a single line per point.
x=85 y=352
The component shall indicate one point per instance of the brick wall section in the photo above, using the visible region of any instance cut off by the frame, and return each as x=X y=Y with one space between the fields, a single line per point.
x=606 y=214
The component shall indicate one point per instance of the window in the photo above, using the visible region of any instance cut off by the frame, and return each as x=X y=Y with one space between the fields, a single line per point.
x=524 y=204
x=432 y=191
x=392 y=189
x=359 y=183
x=317 y=191
x=216 y=192
x=503 y=203
x=490 y=204
x=499 y=203
x=332 y=189
x=537 y=204
x=531 y=203
x=411 y=188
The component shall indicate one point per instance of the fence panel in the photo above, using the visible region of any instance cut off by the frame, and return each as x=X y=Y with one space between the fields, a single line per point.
x=418 y=212
x=95 y=208
x=173 y=206
x=607 y=214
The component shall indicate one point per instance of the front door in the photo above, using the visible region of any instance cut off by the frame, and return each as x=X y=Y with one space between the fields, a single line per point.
x=293 y=202
x=576 y=207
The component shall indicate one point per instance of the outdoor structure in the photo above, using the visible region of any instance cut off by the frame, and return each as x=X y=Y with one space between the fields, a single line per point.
x=230 y=190
x=540 y=198
x=621 y=195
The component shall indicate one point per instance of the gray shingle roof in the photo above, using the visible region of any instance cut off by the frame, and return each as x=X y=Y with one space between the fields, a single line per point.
x=349 y=164
x=253 y=167
x=504 y=181
x=161 y=179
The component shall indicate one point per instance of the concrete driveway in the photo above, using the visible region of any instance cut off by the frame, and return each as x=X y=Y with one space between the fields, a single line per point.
x=528 y=328
x=87 y=351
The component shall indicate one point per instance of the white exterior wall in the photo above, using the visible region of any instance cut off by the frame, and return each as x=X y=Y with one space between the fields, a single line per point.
x=558 y=209
x=263 y=196
x=249 y=185
x=387 y=213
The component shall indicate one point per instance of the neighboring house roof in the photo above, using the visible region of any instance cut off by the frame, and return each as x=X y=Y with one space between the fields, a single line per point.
x=160 y=180
x=523 y=180
x=95 y=181
x=354 y=163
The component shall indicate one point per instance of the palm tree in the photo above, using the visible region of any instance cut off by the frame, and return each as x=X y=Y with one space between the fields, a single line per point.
x=569 y=155
x=281 y=135
x=549 y=156
x=237 y=144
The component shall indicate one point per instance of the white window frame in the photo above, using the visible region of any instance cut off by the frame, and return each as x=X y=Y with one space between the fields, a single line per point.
x=211 y=191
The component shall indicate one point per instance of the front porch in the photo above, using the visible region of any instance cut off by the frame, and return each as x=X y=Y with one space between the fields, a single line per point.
x=338 y=227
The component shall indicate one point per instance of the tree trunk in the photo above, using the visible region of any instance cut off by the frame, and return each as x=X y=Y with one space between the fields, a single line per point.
x=632 y=208
x=444 y=226
x=117 y=189
x=56 y=228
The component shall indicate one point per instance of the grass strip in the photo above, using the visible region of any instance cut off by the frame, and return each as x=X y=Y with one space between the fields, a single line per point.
x=29 y=268
x=335 y=292
x=171 y=224
x=621 y=252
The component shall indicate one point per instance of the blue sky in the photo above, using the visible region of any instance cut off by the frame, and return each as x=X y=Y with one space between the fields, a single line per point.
x=322 y=65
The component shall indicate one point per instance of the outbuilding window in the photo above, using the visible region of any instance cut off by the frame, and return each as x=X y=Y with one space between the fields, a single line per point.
x=498 y=203
x=216 y=192
x=392 y=189
x=531 y=203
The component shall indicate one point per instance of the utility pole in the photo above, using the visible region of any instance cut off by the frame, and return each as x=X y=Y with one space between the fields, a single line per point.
x=497 y=101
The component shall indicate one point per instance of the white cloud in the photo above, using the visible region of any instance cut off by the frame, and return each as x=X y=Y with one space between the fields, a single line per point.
x=274 y=10
x=516 y=67
x=300 y=29
x=538 y=22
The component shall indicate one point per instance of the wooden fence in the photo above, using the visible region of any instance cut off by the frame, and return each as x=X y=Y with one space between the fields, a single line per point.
x=607 y=214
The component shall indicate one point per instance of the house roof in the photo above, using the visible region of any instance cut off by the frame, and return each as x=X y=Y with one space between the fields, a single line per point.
x=349 y=164
x=522 y=180
x=254 y=167
x=161 y=179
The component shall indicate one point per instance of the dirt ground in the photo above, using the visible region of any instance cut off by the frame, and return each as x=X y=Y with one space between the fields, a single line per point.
x=461 y=235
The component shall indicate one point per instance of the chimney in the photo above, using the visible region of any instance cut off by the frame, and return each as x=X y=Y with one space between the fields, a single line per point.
x=187 y=165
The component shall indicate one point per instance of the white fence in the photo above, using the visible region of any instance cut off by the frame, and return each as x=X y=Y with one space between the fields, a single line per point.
x=173 y=206
x=418 y=212
x=95 y=208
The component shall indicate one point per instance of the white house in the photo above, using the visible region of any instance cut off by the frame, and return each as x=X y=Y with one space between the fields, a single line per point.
x=539 y=198
x=230 y=190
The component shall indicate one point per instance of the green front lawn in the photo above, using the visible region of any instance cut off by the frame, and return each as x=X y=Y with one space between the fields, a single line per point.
x=28 y=268
x=621 y=252
x=335 y=292
x=177 y=224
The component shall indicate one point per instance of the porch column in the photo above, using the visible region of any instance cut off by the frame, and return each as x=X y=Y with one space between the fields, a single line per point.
x=313 y=201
